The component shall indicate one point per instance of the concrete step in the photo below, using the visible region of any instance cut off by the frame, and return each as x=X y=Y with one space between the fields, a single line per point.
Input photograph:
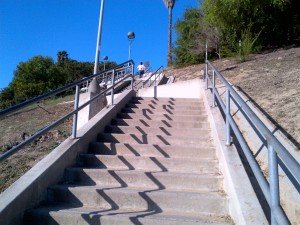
x=66 y=215
x=165 y=106
x=150 y=164
x=149 y=111
x=166 y=99
x=164 y=116
x=154 y=139
x=144 y=180
x=166 y=151
x=182 y=102
x=184 y=132
x=161 y=123
x=130 y=199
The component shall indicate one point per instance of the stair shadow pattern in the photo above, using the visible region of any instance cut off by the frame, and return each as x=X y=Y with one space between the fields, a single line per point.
x=154 y=164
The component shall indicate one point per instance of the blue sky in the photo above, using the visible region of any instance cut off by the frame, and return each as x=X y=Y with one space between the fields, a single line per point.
x=44 y=27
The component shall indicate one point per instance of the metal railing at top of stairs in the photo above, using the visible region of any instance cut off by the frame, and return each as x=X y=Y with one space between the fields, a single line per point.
x=276 y=150
x=125 y=69
x=156 y=75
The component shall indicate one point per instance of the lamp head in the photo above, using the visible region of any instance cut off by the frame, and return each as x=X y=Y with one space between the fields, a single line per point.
x=131 y=35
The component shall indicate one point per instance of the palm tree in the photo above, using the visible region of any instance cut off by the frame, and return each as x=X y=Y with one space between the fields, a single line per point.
x=169 y=4
x=62 y=56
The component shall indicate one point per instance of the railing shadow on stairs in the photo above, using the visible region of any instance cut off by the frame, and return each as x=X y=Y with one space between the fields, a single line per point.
x=279 y=160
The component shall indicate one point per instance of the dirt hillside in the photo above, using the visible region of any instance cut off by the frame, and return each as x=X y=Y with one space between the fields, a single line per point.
x=271 y=80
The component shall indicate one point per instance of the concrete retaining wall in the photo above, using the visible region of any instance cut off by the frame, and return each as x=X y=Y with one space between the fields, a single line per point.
x=182 y=89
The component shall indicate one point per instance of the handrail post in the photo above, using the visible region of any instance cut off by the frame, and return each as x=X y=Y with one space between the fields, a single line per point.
x=228 y=135
x=204 y=77
x=206 y=74
x=132 y=71
x=75 y=116
x=113 y=84
x=206 y=68
x=132 y=80
x=274 y=182
x=214 y=89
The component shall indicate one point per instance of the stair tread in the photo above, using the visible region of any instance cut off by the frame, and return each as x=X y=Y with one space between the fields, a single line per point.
x=167 y=151
x=155 y=217
x=194 y=129
x=199 y=160
x=160 y=173
x=132 y=198
x=166 y=116
x=106 y=178
x=152 y=145
x=160 y=139
x=163 y=110
x=163 y=135
x=150 y=164
x=162 y=123
x=160 y=191
x=165 y=106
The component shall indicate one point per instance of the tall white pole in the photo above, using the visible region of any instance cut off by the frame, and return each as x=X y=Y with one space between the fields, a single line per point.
x=99 y=38
x=129 y=52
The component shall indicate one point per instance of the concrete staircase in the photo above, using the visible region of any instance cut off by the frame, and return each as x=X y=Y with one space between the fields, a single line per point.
x=155 y=164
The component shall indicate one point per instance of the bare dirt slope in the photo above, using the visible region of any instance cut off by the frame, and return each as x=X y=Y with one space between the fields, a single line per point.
x=272 y=82
x=18 y=126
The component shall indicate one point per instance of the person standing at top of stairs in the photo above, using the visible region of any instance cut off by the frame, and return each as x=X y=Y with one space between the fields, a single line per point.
x=141 y=69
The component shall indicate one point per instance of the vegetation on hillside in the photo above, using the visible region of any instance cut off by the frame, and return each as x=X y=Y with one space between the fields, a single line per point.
x=235 y=28
x=41 y=74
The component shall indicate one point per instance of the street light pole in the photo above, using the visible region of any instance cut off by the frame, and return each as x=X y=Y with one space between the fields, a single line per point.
x=131 y=37
x=105 y=58
x=99 y=38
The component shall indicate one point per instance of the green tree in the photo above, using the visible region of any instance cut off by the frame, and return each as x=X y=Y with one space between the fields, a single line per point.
x=169 y=4
x=74 y=70
x=189 y=30
x=236 y=27
x=35 y=77
x=6 y=98
x=267 y=22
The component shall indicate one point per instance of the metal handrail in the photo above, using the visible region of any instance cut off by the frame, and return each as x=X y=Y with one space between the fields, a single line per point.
x=66 y=116
x=149 y=78
x=275 y=148
x=61 y=89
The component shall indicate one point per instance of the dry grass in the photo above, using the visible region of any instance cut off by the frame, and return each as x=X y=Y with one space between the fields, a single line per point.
x=272 y=82
x=17 y=126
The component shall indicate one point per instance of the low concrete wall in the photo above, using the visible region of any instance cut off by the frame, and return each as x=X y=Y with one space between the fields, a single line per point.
x=182 y=89
x=243 y=203
x=31 y=189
